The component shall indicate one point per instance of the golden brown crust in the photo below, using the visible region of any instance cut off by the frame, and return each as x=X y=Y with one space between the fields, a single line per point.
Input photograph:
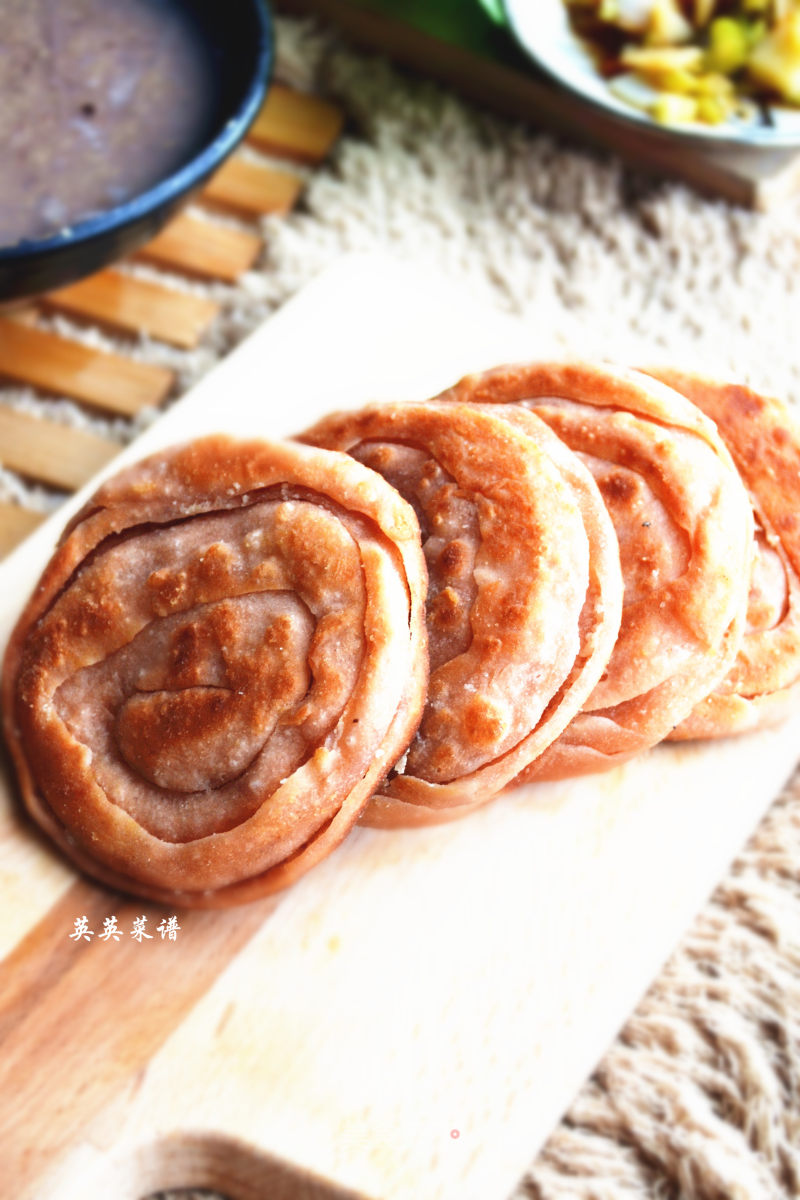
x=222 y=660
x=523 y=606
x=763 y=437
x=684 y=529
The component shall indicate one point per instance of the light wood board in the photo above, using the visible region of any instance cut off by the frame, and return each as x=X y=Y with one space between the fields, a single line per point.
x=110 y=382
x=411 y=1019
x=136 y=306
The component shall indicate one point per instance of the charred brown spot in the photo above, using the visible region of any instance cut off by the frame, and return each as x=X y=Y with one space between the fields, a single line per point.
x=443 y=759
x=95 y=619
x=216 y=562
x=278 y=632
x=268 y=575
x=50 y=643
x=445 y=609
x=741 y=402
x=168 y=588
x=185 y=656
x=454 y=558
x=152 y=728
x=618 y=487
x=511 y=614
x=380 y=457
x=484 y=722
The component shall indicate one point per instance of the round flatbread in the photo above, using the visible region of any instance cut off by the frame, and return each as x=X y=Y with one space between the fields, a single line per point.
x=220 y=663
x=763 y=437
x=684 y=525
x=523 y=599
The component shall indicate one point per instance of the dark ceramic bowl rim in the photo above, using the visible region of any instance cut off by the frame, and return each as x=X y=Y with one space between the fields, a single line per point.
x=179 y=182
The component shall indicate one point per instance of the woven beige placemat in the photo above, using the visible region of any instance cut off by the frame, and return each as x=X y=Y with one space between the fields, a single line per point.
x=699 y=1097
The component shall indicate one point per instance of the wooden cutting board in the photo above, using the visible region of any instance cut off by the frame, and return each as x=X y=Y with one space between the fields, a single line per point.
x=410 y=1020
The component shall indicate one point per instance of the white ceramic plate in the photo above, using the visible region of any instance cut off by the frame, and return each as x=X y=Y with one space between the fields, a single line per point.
x=543 y=29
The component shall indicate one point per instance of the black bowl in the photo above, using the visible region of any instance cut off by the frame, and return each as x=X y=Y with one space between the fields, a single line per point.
x=239 y=36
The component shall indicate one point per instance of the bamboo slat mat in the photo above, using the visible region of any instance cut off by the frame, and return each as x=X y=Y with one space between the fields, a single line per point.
x=291 y=126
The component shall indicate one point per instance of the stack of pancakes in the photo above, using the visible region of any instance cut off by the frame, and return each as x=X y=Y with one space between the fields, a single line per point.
x=240 y=649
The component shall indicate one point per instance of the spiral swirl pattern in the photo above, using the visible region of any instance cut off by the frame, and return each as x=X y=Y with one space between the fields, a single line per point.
x=763 y=437
x=223 y=659
x=684 y=526
x=524 y=592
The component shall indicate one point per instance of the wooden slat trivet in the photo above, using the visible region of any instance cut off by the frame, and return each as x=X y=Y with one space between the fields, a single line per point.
x=137 y=306
x=199 y=247
x=110 y=382
x=250 y=188
x=16 y=523
x=28 y=315
x=51 y=453
x=296 y=125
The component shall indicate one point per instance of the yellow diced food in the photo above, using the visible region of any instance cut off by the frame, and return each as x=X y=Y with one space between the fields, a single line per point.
x=782 y=9
x=775 y=62
x=630 y=15
x=670 y=109
x=728 y=44
x=702 y=60
x=667 y=25
x=716 y=86
x=713 y=110
x=704 y=11
x=658 y=60
x=682 y=82
x=659 y=22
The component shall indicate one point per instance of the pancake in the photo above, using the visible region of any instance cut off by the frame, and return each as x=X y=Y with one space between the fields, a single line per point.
x=524 y=593
x=222 y=660
x=684 y=526
x=763 y=437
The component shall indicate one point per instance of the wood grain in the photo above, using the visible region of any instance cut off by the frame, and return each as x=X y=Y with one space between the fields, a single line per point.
x=16 y=523
x=110 y=382
x=51 y=453
x=296 y=125
x=253 y=189
x=137 y=306
x=207 y=1161
x=27 y=314
x=88 y=1014
x=203 y=248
